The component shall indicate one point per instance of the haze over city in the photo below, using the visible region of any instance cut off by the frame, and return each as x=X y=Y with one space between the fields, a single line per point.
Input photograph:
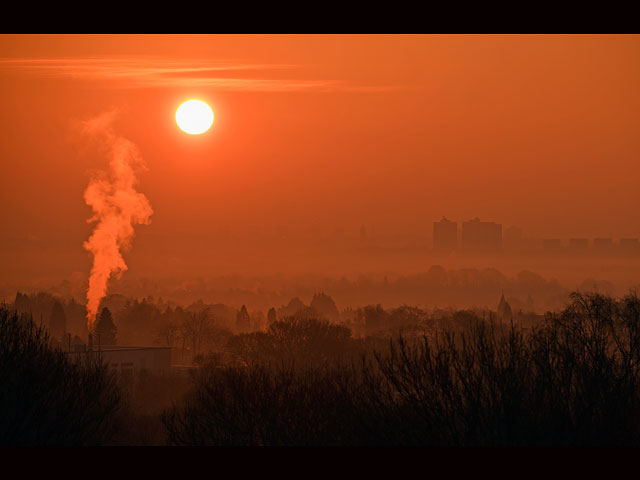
x=317 y=137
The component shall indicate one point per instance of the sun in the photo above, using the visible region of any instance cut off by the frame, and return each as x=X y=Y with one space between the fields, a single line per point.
x=194 y=117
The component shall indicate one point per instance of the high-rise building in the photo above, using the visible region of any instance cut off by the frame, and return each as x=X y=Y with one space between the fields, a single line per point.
x=603 y=245
x=552 y=245
x=481 y=236
x=445 y=235
x=578 y=244
x=629 y=245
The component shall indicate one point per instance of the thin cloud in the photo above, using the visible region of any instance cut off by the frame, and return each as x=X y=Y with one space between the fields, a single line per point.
x=152 y=72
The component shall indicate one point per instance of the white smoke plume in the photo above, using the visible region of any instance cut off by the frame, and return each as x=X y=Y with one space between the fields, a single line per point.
x=116 y=205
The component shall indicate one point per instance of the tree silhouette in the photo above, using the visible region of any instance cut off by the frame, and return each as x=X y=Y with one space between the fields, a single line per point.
x=325 y=306
x=375 y=318
x=196 y=328
x=301 y=340
x=243 y=320
x=57 y=321
x=294 y=305
x=46 y=398
x=271 y=316
x=572 y=380
x=106 y=328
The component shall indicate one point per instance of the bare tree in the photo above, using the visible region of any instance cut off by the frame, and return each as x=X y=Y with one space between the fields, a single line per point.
x=170 y=333
x=196 y=329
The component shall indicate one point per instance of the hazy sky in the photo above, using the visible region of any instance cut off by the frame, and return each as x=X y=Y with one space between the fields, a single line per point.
x=319 y=133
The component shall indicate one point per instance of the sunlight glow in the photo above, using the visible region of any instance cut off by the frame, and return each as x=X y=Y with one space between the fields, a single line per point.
x=194 y=117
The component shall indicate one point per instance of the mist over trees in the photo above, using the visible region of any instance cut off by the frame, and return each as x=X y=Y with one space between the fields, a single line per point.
x=200 y=328
x=436 y=286
x=145 y=320
x=412 y=376
x=42 y=307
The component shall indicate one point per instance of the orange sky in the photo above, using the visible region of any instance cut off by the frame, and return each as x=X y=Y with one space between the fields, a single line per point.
x=319 y=134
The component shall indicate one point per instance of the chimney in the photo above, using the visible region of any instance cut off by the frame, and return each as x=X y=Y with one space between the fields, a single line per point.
x=91 y=342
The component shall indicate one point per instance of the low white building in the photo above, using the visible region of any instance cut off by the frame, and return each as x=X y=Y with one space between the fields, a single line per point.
x=127 y=361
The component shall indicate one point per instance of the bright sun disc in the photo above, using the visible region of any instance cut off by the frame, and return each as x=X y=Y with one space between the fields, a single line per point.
x=194 y=117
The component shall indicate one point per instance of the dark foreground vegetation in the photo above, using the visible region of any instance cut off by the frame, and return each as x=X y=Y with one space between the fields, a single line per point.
x=572 y=380
x=45 y=399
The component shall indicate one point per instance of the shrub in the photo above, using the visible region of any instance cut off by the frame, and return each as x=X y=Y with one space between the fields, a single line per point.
x=265 y=405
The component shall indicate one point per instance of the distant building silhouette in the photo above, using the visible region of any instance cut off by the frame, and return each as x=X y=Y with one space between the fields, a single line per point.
x=481 y=236
x=552 y=244
x=126 y=362
x=578 y=244
x=629 y=245
x=445 y=235
x=602 y=245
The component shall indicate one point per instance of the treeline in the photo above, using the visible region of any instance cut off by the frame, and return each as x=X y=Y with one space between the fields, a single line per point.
x=463 y=288
x=571 y=379
x=57 y=315
x=199 y=329
x=203 y=328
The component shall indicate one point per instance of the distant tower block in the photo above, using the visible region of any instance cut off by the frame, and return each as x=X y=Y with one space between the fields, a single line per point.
x=480 y=236
x=603 y=245
x=630 y=245
x=552 y=245
x=578 y=244
x=445 y=236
